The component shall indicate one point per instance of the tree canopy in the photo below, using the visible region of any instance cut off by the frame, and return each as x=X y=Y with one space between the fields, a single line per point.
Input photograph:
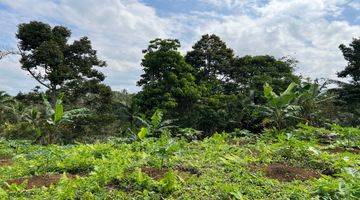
x=53 y=62
x=210 y=57
x=352 y=56
x=168 y=81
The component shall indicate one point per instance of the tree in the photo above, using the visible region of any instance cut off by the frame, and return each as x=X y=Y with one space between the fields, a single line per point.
x=4 y=53
x=250 y=73
x=349 y=93
x=168 y=82
x=210 y=57
x=5 y=103
x=352 y=56
x=55 y=64
x=125 y=110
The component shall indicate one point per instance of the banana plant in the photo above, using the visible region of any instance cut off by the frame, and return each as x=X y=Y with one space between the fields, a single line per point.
x=56 y=116
x=156 y=126
x=311 y=98
x=279 y=108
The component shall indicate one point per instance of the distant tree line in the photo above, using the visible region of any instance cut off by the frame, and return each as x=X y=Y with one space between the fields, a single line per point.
x=209 y=89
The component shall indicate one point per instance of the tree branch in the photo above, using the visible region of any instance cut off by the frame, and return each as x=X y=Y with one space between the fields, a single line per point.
x=4 y=53
x=38 y=80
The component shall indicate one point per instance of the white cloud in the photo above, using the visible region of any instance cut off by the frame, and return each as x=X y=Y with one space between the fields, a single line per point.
x=120 y=29
x=355 y=5
x=230 y=3
x=298 y=28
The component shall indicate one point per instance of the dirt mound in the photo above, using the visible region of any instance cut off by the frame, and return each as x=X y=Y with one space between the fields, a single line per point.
x=158 y=174
x=39 y=181
x=355 y=150
x=285 y=173
x=155 y=173
x=5 y=162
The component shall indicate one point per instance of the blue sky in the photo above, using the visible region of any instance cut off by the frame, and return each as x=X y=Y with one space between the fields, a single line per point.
x=308 y=30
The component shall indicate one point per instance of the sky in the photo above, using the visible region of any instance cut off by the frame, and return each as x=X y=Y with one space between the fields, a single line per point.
x=307 y=30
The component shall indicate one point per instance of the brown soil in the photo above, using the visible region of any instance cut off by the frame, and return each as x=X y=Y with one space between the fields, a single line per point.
x=155 y=173
x=39 y=181
x=5 y=162
x=190 y=170
x=158 y=174
x=284 y=172
x=355 y=150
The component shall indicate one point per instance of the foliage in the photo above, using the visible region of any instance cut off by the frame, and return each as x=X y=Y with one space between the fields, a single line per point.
x=279 y=109
x=349 y=92
x=352 y=55
x=5 y=101
x=250 y=73
x=63 y=67
x=44 y=48
x=56 y=117
x=313 y=99
x=214 y=168
x=168 y=82
x=120 y=145
x=211 y=58
x=126 y=111
x=155 y=126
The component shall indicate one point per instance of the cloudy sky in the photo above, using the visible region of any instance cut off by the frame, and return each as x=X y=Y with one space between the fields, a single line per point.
x=308 y=30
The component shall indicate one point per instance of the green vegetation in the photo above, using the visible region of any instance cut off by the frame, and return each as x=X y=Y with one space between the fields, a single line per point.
x=276 y=165
x=205 y=125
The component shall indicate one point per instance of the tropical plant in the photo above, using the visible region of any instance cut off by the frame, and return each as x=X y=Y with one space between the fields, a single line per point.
x=312 y=98
x=56 y=116
x=278 y=108
x=156 y=126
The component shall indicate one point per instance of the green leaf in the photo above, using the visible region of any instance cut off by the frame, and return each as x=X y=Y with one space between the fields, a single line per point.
x=156 y=118
x=70 y=115
x=287 y=96
x=48 y=109
x=268 y=92
x=142 y=133
x=59 y=111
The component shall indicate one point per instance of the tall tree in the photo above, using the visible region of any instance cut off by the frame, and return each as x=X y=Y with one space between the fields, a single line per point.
x=349 y=93
x=352 y=56
x=250 y=73
x=53 y=62
x=168 y=82
x=210 y=57
x=67 y=67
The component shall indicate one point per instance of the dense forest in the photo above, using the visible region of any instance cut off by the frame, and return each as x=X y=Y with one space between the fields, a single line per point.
x=205 y=125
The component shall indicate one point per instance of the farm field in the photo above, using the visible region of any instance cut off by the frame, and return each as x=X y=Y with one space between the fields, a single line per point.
x=306 y=163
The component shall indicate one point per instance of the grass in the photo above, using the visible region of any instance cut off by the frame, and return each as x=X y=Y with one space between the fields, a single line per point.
x=289 y=165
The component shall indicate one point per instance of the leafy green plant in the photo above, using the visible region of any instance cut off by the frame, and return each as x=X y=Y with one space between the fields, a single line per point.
x=156 y=126
x=55 y=117
x=169 y=183
x=189 y=133
x=312 y=99
x=279 y=109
